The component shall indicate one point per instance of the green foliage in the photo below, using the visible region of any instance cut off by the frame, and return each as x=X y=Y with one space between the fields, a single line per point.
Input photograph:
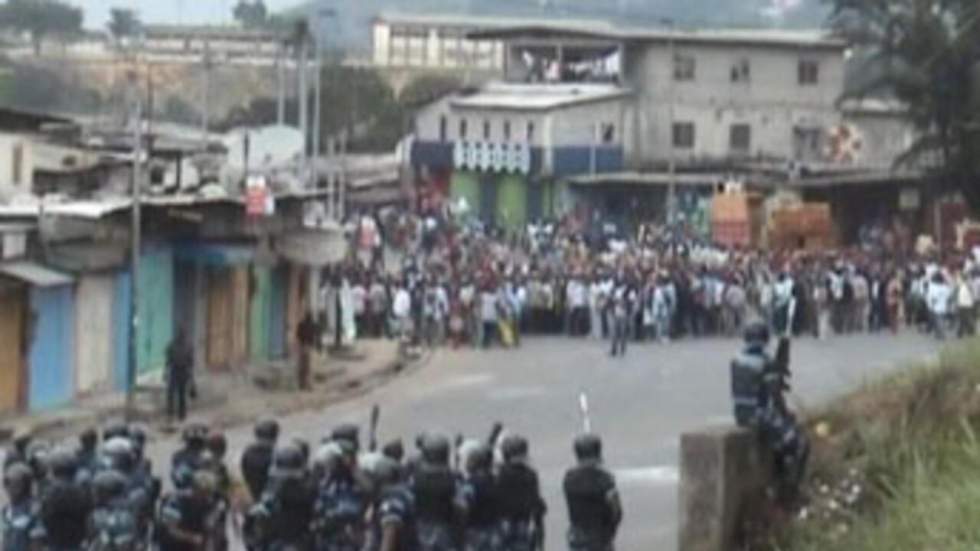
x=41 y=89
x=912 y=439
x=927 y=54
x=123 y=23
x=251 y=14
x=41 y=18
x=179 y=110
x=426 y=88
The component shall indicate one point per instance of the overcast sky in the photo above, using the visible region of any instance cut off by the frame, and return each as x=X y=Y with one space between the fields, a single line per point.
x=168 y=11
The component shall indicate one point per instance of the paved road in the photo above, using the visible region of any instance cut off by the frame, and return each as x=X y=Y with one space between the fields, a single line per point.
x=641 y=404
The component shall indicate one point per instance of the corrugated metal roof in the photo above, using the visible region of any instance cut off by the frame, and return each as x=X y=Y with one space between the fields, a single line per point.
x=35 y=274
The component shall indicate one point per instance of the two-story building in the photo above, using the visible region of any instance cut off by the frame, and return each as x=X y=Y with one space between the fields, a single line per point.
x=623 y=116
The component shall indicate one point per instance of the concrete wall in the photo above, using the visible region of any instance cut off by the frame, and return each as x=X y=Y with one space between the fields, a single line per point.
x=772 y=101
x=722 y=474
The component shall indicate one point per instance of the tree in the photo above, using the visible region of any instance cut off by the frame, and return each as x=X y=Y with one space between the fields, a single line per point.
x=426 y=88
x=41 y=18
x=123 y=23
x=251 y=14
x=925 y=53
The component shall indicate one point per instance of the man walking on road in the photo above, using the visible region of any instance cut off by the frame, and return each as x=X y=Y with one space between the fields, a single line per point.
x=180 y=365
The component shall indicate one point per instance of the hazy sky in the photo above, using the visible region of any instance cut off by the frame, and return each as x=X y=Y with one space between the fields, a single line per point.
x=168 y=11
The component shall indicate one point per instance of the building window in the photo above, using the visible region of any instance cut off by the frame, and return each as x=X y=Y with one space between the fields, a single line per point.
x=684 y=135
x=740 y=138
x=486 y=130
x=530 y=132
x=684 y=67
x=463 y=128
x=506 y=131
x=742 y=71
x=807 y=143
x=443 y=128
x=808 y=72
x=607 y=133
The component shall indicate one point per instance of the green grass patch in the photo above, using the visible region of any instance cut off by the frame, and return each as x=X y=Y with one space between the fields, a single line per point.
x=895 y=465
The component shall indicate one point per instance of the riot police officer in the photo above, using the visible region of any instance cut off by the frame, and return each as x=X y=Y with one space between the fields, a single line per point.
x=19 y=527
x=257 y=458
x=521 y=504
x=754 y=377
x=342 y=502
x=283 y=516
x=217 y=446
x=481 y=503
x=436 y=497
x=119 y=457
x=594 y=509
x=185 y=514
x=88 y=453
x=113 y=524
x=187 y=460
x=18 y=452
x=65 y=504
x=393 y=522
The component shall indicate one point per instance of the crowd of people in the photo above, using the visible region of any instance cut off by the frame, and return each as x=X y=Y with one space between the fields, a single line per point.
x=463 y=284
x=472 y=495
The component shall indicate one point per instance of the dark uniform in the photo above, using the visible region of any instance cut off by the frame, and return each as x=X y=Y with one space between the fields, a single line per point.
x=190 y=458
x=757 y=391
x=521 y=506
x=185 y=515
x=395 y=513
x=19 y=527
x=435 y=487
x=754 y=375
x=284 y=516
x=113 y=524
x=257 y=457
x=481 y=503
x=594 y=510
x=340 y=511
x=65 y=505
x=88 y=454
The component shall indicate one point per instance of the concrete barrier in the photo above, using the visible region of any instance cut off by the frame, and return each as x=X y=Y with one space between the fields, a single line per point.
x=723 y=473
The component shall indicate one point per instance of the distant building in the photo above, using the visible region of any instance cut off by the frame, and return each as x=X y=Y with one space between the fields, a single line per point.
x=614 y=108
x=222 y=42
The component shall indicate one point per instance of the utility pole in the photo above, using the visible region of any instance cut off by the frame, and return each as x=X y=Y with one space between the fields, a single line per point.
x=281 y=85
x=318 y=99
x=672 y=161
x=135 y=248
x=206 y=107
x=303 y=93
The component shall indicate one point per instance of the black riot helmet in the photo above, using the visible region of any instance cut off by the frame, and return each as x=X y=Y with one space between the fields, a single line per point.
x=480 y=458
x=288 y=461
x=757 y=333
x=137 y=436
x=17 y=481
x=514 y=448
x=588 y=447
x=37 y=459
x=115 y=430
x=394 y=450
x=217 y=445
x=63 y=463
x=348 y=432
x=118 y=453
x=195 y=435
x=107 y=486
x=88 y=439
x=267 y=430
x=435 y=449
